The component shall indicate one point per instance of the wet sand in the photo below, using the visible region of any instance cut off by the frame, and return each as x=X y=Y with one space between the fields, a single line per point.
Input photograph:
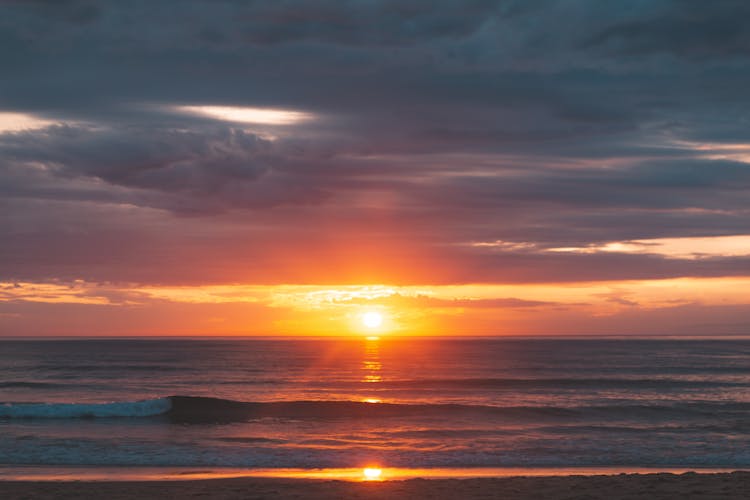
x=612 y=487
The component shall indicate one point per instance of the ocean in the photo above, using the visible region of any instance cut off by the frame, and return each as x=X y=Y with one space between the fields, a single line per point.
x=394 y=402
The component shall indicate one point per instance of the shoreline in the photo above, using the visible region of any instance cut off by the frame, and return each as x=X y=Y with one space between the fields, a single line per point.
x=697 y=486
x=95 y=473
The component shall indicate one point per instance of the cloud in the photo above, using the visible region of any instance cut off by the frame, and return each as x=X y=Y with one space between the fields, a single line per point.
x=346 y=142
x=192 y=171
x=418 y=301
x=16 y=122
x=690 y=29
x=248 y=115
x=681 y=307
x=683 y=248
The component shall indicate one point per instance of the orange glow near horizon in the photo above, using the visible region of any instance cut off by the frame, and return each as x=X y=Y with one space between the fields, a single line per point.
x=373 y=310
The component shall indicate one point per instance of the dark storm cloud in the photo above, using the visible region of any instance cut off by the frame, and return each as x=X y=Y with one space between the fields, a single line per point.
x=192 y=171
x=351 y=23
x=667 y=184
x=424 y=76
x=435 y=124
x=693 y=29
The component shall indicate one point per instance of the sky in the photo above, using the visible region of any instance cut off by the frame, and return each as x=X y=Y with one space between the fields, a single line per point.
x=474 y=167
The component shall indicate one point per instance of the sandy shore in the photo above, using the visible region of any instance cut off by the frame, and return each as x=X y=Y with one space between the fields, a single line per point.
x=613 y=487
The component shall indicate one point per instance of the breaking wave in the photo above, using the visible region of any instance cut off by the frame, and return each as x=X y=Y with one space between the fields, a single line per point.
x=145 y=408
x=195 y=409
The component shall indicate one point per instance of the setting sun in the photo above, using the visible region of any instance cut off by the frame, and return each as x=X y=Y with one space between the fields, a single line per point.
x=372 y=473
x=372 y=319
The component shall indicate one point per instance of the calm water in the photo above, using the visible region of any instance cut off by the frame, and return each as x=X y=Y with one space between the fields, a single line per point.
x=396 y=402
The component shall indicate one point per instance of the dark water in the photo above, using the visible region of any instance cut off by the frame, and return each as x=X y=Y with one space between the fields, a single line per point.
x=397 y=402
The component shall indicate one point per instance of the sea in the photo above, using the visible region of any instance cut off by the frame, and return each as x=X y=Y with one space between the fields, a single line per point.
x=260 y=403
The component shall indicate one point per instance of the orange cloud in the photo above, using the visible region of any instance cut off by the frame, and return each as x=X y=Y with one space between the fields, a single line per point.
x=335 y=310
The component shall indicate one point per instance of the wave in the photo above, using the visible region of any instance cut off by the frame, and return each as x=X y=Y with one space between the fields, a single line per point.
x=191 y=409
x=198 y=409
x=145 y=408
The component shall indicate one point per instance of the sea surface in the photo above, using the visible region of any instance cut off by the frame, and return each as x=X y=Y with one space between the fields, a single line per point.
x=415 y=403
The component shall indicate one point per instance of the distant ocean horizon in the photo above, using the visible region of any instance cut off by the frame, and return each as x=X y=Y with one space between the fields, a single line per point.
x=428 y=402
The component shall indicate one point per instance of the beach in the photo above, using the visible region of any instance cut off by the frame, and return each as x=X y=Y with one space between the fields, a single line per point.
x=613 y=487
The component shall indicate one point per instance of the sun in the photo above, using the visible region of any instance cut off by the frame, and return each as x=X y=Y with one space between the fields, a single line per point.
x=372 y=473
x=372 y=319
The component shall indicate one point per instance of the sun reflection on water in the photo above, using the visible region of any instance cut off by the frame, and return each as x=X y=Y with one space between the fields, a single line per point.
x=371 y=365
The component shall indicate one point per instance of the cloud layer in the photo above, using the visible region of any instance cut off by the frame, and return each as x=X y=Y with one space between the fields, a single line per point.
x=415 y=142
